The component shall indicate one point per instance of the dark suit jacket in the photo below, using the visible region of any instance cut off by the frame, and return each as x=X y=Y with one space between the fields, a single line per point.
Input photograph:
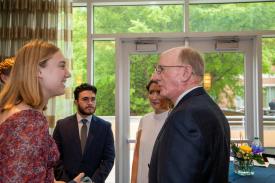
x=194 y=144
x=98 y=157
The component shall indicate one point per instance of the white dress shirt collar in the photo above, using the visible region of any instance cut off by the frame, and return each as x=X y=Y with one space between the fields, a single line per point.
x=80 y=124
x=79 y=118
x=184 y=93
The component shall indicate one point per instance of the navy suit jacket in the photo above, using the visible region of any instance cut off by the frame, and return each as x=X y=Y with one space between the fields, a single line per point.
x=98 y=157
x=194 y=144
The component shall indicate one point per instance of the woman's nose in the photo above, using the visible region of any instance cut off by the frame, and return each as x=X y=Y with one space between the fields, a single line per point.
x=155 y=95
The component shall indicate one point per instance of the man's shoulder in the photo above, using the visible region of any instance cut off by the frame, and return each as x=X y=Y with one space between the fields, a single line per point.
x=67 y=119
x=101 y=121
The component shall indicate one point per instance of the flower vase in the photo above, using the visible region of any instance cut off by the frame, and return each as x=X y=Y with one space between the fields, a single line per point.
x=243 y=167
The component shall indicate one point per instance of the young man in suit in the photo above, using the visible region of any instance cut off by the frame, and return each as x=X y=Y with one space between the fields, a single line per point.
x=85 y=141
x=194 y=143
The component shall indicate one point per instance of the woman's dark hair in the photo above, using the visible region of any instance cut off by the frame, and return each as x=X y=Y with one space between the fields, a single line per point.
x=149 y=84
x=84 y=87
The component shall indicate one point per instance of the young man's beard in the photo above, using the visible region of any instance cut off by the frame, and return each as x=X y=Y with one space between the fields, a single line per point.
x=81 y=111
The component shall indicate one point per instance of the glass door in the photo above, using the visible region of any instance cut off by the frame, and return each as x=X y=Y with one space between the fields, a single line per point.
x=228 y=80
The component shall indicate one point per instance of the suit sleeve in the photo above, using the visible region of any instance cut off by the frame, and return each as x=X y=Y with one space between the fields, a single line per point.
x=108 y=157
x=182 y=154
x=59 y=171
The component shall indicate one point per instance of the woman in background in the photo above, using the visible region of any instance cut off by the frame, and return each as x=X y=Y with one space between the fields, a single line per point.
x=27 y=151
x=148 y=130
x=5 y=69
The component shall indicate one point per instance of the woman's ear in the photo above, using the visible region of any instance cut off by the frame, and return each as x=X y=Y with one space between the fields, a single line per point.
x=39 y=74
x=4 y=78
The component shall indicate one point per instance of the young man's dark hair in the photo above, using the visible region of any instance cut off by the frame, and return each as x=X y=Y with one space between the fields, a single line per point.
x=84 y=87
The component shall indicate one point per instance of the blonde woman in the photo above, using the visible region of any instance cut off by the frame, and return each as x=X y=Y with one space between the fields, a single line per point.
x=27 y=151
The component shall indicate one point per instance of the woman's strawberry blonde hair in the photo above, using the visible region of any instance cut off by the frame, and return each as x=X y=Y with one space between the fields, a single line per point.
x=23 y=85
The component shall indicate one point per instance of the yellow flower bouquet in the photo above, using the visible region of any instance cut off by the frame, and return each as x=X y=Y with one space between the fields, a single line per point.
x=244 y=156
x=245 y=152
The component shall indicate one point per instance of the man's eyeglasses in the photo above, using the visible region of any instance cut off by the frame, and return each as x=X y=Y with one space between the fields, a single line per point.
x=160 y=68
x=88 y=99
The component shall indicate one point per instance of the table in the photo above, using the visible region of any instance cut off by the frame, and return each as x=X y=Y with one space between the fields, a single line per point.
x=262 y=175
x=269 y=151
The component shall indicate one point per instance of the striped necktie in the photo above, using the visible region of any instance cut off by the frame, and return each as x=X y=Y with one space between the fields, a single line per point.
x=83 y=134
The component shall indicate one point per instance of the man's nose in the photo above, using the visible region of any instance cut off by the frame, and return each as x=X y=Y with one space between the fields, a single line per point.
x=68 y=74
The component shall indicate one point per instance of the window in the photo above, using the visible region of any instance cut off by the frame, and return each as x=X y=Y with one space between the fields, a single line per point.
x=104 y=77
x=138 y=19
x=268 y=67
x=79 y=68
x=232 y=17
x=113 y=20
x=226 y=87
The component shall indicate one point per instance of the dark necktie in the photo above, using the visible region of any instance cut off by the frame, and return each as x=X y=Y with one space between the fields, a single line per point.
x=83 y=134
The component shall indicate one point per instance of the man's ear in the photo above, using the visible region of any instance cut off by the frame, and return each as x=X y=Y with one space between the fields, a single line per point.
x=75 y=102
x=186 y=75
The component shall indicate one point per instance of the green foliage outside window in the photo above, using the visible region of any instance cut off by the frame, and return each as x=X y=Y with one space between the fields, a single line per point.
x=227 y=73
x=129 y=19
x=79 y=67
x=268 y=55
x=141 y=70
x=169 y=18
x=232 y=17
x=104 y=77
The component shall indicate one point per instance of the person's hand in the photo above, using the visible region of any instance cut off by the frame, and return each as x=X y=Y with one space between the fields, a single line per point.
x=55 y=181
x=79 y=177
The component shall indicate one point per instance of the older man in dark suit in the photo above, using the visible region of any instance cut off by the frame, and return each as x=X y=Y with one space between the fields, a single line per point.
x=85 y=142
x=194 y=143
